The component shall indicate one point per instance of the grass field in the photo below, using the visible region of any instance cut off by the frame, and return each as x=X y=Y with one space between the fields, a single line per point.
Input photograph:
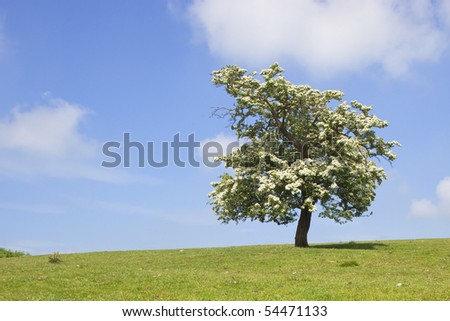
x=384 y=270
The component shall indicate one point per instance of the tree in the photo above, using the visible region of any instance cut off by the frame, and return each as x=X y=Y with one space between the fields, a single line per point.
x=304 y=148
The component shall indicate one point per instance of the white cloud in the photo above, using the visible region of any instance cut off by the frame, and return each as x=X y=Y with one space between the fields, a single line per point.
x=326 y=37
x=423 y=208
x=45 y=140
x=46 y=130
x=426 y=208
x=444 y=12
x=443 y=193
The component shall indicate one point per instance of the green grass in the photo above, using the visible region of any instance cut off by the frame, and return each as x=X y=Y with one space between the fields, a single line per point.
x=385 y=270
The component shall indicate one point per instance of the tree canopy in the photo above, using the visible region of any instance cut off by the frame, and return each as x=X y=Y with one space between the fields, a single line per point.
x=306 y=150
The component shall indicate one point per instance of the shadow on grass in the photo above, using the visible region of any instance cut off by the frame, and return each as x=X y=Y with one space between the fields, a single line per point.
x=350 y=246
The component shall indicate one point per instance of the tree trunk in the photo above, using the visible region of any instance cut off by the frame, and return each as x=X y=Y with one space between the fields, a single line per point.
x=301 y=235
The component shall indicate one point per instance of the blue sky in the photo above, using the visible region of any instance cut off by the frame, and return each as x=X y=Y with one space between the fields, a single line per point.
x=74 y=75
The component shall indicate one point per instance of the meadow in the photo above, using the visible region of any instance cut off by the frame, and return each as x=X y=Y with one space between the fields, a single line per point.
x=378 y=270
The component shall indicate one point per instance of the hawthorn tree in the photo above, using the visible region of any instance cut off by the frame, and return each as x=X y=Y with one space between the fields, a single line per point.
x=304 y=148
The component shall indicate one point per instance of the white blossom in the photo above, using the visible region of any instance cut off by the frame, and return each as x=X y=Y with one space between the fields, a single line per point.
x=302 y=152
